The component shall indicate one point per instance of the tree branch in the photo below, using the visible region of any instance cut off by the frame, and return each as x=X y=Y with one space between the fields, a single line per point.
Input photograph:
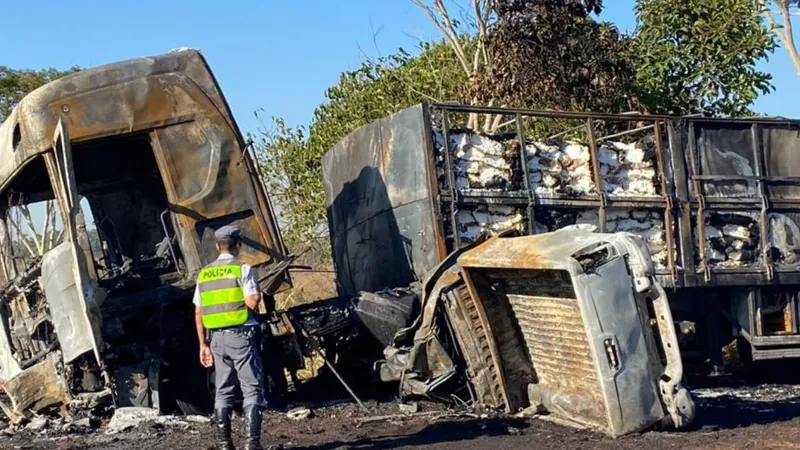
x=445 y=27
x=451 y=29
x=788 y=35
x=785 y=33
x=21 y=237
x=26 y=213
x=482 y=9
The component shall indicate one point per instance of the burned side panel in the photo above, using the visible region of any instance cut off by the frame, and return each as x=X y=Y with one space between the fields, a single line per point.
x=726 y=151
x=200 y=152
x=67 y=310
x=381 y=215
x=619 y=346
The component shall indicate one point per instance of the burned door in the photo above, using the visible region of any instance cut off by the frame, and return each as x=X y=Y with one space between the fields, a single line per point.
x=68 y=277
x=209 y=184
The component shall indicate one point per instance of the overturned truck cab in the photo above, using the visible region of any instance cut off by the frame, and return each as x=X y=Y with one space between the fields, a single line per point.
x=571 y=324
x=112 y=183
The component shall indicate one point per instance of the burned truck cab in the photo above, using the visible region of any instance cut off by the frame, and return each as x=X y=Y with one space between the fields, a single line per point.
x=571 y=325
x=112 y=183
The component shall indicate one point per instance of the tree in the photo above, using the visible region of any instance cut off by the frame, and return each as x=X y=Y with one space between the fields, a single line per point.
x=552 y=54
x=290 y=157
x=783 y=27
x=700 y=56
x=15 y=84
x=474 y=61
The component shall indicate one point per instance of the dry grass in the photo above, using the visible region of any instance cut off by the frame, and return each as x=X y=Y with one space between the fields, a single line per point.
x=309 y=285
x=308 y=288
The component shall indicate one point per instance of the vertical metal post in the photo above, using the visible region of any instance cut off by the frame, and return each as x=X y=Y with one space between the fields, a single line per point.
x=668 y=209
x=451 y=180
x=598 y=177
x=701 y=209
x=677 y=153
x=757 y=301
x=523 y=156
x=764 y=225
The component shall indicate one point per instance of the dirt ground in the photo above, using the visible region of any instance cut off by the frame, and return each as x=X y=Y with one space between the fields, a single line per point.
x=762 y=417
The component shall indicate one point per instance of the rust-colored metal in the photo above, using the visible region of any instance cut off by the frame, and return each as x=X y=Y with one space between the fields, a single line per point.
x=451 y=181
x=764 y=212
x=489 y=338
x=436 y=206
x=668 y=210
x=523 y=155
x=597 y=176
x=697 y=187
x=522 y=252
x=34 y=389
x=482 y=368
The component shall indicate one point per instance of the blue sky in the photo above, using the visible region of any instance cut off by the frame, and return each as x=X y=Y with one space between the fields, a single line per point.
x=275 y=55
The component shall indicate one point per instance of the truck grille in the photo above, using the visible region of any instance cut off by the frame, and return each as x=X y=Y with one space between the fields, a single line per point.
x=555 y=337
x=549 y=321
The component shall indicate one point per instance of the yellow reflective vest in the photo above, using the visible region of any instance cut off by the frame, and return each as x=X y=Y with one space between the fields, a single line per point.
x=221 y=294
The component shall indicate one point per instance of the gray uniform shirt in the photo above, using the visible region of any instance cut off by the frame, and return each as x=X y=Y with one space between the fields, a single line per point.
x=249 y=286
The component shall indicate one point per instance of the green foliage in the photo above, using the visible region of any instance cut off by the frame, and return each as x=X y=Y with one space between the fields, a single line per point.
x=290 y=158
x=15 y=84
x=552 y=54
x=700 y=55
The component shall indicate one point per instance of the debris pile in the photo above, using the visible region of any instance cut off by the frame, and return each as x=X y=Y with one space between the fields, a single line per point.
x=555 y=167
x=731 y=239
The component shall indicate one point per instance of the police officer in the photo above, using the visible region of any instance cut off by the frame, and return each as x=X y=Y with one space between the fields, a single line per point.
x=225 y=300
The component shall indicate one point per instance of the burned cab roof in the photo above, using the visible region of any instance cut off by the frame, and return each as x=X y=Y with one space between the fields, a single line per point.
x=122 y=97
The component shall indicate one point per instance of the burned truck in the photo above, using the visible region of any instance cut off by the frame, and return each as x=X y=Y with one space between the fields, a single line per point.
x=112 y=182
x=717 y=202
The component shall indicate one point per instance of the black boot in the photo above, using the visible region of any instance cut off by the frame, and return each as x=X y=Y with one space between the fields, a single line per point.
x=223 y=419
x=253 y=415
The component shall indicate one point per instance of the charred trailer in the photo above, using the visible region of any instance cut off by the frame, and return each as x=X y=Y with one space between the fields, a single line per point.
x=716 y=200
x=112 y=182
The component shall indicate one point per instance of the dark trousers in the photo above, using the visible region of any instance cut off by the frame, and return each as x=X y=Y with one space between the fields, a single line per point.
x=237 y=359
